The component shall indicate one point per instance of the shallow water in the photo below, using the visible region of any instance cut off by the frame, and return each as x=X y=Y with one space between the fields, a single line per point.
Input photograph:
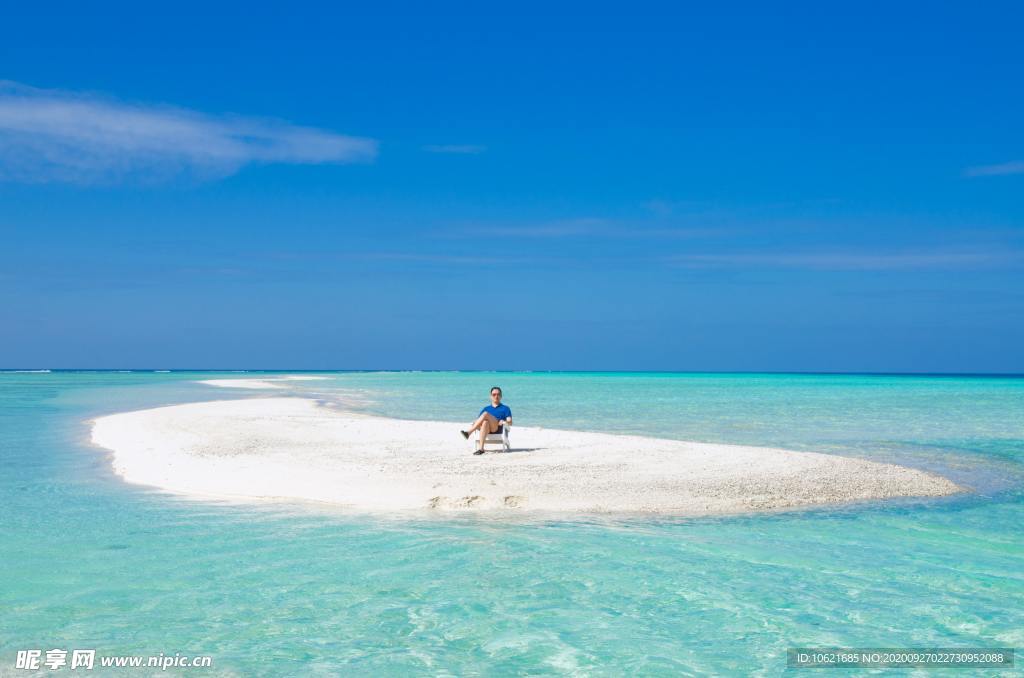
x=89 y=562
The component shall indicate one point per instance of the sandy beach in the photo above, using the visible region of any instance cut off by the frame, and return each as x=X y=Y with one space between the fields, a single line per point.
x=295 y=448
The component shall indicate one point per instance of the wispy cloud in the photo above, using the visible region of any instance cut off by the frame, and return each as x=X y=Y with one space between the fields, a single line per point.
x=1014 y=167
x=458 y=149
x=582 y=227
x=54 y=135
x=561 y=228
x=852 y=261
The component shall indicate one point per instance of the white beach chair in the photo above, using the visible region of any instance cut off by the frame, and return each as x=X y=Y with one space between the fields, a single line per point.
x=499 y=438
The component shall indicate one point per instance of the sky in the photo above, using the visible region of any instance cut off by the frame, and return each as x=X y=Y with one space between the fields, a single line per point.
x=551 y=186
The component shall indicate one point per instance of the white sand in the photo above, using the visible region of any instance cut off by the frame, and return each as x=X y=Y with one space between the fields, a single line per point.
x=241 y=383
x=294 y=448
x=261 y=383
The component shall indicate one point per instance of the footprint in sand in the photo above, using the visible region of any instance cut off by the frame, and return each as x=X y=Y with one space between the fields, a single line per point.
x=461 y=502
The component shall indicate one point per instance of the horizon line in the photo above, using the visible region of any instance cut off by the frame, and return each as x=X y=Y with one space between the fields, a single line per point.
x=121 y=370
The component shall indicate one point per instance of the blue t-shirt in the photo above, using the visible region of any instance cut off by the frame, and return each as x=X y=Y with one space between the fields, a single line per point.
x=501 y=412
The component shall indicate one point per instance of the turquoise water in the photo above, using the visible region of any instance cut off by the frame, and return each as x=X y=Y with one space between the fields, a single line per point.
x=89 y=562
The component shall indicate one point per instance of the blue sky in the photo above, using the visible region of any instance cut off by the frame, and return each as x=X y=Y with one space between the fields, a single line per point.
x=807 y=187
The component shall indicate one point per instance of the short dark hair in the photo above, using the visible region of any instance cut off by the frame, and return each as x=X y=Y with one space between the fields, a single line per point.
x=499 y=390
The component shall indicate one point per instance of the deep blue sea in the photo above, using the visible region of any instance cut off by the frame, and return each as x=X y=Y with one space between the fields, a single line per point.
x=87 y=561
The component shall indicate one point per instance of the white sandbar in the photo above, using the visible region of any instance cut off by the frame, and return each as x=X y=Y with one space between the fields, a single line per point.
x=241 y=383
x=260 y=384
x=295 y=448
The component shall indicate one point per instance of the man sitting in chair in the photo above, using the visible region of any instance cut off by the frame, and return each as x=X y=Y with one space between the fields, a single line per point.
x=492 y=419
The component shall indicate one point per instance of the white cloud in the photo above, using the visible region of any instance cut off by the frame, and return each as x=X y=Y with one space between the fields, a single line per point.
x=853 y=261
x=459 y=149
x=583 y=227
x=53 y=135
x=1016 y=167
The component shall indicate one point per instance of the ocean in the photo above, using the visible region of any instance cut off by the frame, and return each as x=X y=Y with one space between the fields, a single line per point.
x=90 y=562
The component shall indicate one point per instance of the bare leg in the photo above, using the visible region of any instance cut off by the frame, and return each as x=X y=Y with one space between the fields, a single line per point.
x=484 y=418
x=488 y=425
